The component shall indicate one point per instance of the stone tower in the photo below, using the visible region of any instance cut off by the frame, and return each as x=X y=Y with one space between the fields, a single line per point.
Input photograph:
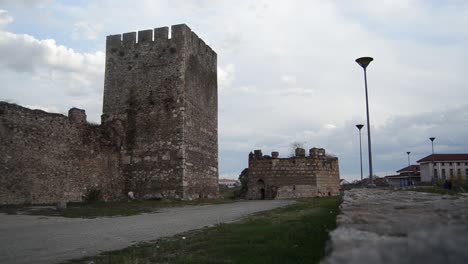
x=161 y=107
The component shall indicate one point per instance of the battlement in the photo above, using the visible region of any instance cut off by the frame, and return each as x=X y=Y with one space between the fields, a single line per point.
x=317 y=153
x=180 y=35
x=77 y=116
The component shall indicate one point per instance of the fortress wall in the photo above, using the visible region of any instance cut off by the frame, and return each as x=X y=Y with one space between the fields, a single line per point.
x=46 y=158
x=328 y=178
x=157 y=138
x=201 y=120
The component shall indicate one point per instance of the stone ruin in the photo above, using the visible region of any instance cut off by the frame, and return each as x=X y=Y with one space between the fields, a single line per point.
x=301 y=176
x=158 y=136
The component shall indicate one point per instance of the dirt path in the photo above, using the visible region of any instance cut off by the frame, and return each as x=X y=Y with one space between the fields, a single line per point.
x=34 y=239
x=383 y=226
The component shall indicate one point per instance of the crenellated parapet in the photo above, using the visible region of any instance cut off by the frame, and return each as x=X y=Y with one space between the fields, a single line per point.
x=141 y=65
x=181 y=37
x=314 y=153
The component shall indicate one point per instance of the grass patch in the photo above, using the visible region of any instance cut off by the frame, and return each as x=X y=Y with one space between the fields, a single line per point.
x=436 y=189
x=294 y=234
x=105 y=209
x=229 y=193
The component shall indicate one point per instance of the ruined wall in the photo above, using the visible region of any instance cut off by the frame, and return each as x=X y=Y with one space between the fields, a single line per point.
x=164 y=92
x=271 y=177
x=46 y=158
x=328 y=174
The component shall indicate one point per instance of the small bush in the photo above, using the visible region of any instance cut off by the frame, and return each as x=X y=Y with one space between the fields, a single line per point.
x=92 y=195
x=244 y=179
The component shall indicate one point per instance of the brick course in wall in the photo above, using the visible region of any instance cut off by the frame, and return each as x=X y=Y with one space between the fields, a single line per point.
x=271 y=177
x=158 y=135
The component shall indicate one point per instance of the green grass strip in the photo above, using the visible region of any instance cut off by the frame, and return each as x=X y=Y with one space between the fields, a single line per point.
x=293 y=234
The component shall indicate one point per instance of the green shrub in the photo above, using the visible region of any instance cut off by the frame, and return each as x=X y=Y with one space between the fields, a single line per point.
x=92 y=195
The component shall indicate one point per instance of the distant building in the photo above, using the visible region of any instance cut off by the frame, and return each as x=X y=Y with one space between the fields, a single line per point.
x=228 y=183
x=376 y=180
x=443 y=166
x=344 y=182
x=409 y=175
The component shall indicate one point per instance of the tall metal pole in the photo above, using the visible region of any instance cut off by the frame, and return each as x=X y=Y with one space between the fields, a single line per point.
x=371 y=175
x=360 y=147
x=364 y=62
x=432 y=141
x=360 y=152
x=409 y=169
x=433 y=165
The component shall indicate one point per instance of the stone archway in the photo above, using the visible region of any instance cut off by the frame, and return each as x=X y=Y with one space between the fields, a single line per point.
x=261 y=189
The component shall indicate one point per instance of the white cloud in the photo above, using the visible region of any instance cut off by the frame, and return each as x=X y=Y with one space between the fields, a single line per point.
x=84 y=29
x=5 y=18
x=289 y=79
x=226 y=76
x=25 y=3
x=24 y=53
x=60 y=75
x=47 y=108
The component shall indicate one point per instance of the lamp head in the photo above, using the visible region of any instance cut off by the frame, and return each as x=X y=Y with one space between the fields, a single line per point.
x=432 y=139
x=359 y=126
x=364 y=61
x=408 y=152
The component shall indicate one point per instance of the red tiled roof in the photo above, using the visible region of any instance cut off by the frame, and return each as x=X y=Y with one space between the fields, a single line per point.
x=401 y=176
x=409 y=168
x=445 y=157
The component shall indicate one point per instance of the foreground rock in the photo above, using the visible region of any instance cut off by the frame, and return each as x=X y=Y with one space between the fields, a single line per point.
x=383 y=226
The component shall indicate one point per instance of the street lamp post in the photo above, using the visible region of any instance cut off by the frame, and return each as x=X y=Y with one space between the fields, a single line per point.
x=360 y=126
x=432 y=141
x=433 y=165
x=364 y=62
x=409 y=169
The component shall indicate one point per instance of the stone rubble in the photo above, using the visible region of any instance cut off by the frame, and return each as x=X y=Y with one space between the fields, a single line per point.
x=385 y=226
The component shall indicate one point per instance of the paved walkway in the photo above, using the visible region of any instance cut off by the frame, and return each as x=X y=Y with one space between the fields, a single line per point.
x=383 y=226
x=33 y=239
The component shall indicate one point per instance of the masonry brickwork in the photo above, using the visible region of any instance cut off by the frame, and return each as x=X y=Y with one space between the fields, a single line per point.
x=271 y=177
x=158 y=135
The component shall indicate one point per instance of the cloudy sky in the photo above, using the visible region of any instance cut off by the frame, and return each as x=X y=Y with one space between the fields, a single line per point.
x=286 y=70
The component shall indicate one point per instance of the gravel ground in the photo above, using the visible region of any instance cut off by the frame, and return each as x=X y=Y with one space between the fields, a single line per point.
x=33 y=239
x=384 y=226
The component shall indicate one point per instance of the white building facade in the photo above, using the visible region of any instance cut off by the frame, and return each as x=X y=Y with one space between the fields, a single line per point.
x=443 y=166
